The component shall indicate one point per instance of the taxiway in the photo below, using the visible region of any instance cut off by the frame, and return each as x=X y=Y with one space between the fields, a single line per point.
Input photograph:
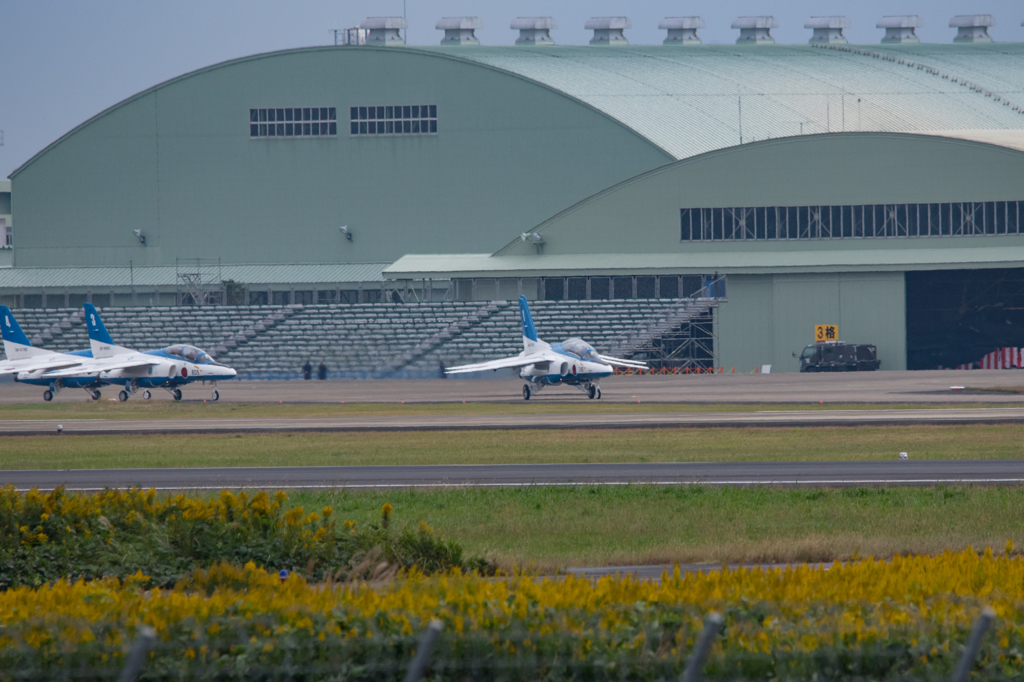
x=829 y=474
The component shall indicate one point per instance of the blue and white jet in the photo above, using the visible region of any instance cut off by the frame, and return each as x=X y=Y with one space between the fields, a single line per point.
x=167 y=368
x=573 y=362
x=30 y=364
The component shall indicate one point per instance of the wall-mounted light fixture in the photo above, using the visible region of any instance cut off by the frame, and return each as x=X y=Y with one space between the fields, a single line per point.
x=535 y=238
x=142 y=237
x=345 y=231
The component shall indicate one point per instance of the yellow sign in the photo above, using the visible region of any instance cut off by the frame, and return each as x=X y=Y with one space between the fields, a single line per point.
x=826 y=332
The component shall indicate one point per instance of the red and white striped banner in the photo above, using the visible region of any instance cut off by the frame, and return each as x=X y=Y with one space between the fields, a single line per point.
x=1000 y=358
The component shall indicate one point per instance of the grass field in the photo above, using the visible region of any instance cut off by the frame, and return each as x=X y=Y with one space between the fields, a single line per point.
x=558 y=527
x=507 y=447
x=163 y=409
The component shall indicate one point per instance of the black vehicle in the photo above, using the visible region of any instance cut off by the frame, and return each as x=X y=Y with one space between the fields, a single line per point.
x=838 y=356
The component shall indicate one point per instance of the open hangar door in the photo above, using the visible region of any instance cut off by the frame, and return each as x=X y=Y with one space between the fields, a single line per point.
x=955 y=317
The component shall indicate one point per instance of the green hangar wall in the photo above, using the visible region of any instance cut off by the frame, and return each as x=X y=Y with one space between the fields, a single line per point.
x=768 y=318
x=641 y=216
x=177 y=162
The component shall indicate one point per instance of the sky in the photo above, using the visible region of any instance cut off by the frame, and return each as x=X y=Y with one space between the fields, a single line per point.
x=64 y=61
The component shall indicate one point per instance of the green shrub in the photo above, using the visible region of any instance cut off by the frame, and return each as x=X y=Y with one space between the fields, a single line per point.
x=46 y=537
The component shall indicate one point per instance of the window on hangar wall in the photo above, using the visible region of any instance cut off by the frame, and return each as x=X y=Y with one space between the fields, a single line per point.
x=407 y=119
x=871 y=221
x=293 y=122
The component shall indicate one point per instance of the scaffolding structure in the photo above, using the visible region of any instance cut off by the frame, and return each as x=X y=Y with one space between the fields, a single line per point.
x=690 y=344
x=686 y=337
x=201 y=280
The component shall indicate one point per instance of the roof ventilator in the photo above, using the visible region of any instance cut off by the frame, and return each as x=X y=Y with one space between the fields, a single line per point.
x=608 y=30
x=534 y=30
x=681 y=30
x=828 y=30
x=459 y=30
x=755 y=30
x=384 y=30
x=900 y=28
x=972 y=28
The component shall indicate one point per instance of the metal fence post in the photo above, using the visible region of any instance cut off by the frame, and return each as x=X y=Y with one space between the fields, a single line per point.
x=422 y=657
x=963 y=668
x=694 y=666
x=136 y=659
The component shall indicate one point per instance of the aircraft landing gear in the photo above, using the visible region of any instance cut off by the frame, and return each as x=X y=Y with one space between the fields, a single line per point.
x=55 y=388
x=216 y=395
x=591 y=389
x=122 y=396
x=526 y=391
x=146 y=394
x=95 y=395
x=176 y=393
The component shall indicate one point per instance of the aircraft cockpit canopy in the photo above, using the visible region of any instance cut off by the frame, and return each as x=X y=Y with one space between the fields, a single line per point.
x=580 y=348
x=190 y=353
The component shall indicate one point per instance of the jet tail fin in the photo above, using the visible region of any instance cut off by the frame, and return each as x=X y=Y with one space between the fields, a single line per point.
x=529 y=331
x=16 y=343
x=99 y=338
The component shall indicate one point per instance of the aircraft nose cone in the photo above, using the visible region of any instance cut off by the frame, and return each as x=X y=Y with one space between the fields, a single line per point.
x=228 y=372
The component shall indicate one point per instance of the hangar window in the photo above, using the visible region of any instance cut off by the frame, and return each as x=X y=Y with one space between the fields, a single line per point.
x=413 y=119
x=871 y=221
x=293 y=122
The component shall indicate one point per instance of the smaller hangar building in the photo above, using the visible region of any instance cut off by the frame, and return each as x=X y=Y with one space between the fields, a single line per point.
x=843 y=229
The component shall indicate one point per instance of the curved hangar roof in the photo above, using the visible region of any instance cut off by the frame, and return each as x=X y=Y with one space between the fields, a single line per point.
x=693 y=100
x=688 y=101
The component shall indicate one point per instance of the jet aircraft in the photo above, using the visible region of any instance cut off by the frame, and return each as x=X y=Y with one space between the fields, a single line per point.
x=573 y=362
x=29 y=364
x=167 y=368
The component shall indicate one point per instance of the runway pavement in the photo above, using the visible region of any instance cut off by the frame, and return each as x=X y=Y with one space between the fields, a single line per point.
x=1009 y=472
x=986 y=415
x=850 y=387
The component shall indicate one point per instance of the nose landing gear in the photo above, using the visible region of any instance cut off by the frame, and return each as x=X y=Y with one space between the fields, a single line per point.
x=146 y=394
x=216 y=395
x=592 y=390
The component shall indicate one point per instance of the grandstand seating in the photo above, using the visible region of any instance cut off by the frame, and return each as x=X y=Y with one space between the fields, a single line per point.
x=360 y=340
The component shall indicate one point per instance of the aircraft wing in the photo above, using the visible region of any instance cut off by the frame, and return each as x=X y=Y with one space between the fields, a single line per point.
x=29 y=365
x=506 y=363
x=104 y=366
x=619 y=362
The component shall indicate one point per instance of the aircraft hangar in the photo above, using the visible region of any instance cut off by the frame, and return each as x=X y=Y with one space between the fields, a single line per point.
x=879 y=188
